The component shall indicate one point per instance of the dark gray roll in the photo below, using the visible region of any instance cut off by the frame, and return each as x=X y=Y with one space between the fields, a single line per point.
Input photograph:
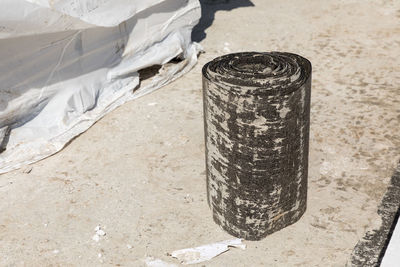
x=257 y=120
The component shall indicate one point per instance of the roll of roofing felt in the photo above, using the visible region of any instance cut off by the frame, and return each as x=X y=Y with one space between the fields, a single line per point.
x=257 y=119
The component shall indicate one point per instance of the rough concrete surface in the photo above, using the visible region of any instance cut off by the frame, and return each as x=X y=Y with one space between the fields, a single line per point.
x=139 y=172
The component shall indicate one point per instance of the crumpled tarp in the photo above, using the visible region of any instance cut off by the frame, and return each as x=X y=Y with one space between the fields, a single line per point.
x=66 y=63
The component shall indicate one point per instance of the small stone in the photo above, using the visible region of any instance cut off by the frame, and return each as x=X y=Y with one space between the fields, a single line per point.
x=188 y=199
x=27 y=169
x=129 y=246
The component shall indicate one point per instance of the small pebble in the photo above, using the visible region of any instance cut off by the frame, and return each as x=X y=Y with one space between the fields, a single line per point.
x=27 y=169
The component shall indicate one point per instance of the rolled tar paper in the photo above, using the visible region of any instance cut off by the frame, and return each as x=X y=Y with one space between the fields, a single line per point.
x=256 y=120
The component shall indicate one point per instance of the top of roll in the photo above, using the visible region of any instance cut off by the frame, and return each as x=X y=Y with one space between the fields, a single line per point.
x=271 y=72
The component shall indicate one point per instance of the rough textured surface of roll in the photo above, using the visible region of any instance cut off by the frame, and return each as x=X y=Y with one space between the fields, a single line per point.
x=256 y=115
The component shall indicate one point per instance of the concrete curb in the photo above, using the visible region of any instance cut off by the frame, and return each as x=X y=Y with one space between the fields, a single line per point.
x=370 y=250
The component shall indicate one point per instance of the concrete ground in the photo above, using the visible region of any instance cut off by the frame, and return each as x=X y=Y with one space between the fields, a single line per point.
x=139 y=172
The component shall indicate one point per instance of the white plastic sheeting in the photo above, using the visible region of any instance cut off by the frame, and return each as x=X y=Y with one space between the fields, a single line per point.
x=66 y=63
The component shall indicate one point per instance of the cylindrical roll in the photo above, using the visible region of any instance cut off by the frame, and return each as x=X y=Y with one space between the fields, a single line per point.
x=257 y=120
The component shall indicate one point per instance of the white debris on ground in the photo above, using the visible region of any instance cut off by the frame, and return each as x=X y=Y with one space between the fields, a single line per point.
x=99 y=232
x=152 y=262
x=96 y=238
x=226 y=47
x=206 y=252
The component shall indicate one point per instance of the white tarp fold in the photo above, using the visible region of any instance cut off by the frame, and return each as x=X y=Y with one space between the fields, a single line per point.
x=66 y=63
